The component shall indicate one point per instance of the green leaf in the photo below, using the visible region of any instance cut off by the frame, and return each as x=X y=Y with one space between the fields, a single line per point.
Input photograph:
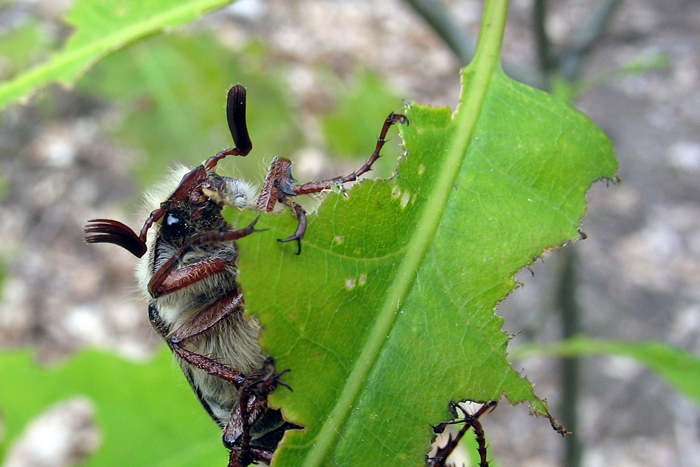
x=147 y=413
x=173 y=89
x=103 y=26
x=23 y=46
x=681 y=369
x=388 y=313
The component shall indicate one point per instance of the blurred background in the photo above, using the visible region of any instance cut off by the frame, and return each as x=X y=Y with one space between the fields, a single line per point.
x=321 y=77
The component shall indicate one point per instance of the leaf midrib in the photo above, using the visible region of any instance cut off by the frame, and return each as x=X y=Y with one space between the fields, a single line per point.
x=485 y=63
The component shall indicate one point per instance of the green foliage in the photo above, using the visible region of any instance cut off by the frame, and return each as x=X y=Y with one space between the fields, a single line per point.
x=23 y=47
x=147 y=413
x=659 y=61
x=173 y=89
x=101 y=27
x=681 y=369
x=388 y=313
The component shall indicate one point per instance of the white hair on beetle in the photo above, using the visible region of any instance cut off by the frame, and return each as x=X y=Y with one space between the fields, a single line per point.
x=238 y=194
x=162 y=191
x=152 y=199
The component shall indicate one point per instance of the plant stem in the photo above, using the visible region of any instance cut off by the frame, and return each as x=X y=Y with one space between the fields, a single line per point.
x=570 y=381
x=450 y=32
x=573 y=58
x=461 y=45
x=544 y=52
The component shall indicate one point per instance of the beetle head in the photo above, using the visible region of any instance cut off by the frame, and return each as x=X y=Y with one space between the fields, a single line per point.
x=194 y=207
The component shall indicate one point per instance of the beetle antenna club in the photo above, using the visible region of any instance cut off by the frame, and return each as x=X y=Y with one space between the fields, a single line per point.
x=189 y=273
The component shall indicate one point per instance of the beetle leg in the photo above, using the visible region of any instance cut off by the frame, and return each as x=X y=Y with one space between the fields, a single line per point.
x=469 y=421
x=260 y=384
x=316 y=187
x=187 y=275
x=252 y=404
x=256 y=454
x=156 y=285
x=278 y=188
x=299 y=215
x=152 y=218
x=203 y=321
x=277 y=182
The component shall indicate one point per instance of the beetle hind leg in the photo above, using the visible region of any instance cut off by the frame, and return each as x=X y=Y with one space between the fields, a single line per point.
x=253 y=431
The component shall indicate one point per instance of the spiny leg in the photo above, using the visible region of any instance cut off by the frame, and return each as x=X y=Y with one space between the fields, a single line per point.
x=203 y=321
x=469 y=421
x=480 y=440
x=155 y=285
x=236 y=435
x=252 y=404
x=317 y=187
x=277 y=186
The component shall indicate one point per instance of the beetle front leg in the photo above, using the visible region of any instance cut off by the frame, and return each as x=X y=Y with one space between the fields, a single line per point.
x=158 y=285
x=278 y=185
x=317 y=187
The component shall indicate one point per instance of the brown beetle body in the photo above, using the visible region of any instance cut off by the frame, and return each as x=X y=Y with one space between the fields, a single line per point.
x=236 y=342
x=188 y=271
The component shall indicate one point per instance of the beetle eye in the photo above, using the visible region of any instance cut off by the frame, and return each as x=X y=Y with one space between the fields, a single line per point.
x=173 y=226
x=172 y=220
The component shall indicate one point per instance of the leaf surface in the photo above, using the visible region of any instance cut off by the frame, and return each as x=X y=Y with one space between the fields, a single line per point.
x=101 y=27
x=388 y=313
